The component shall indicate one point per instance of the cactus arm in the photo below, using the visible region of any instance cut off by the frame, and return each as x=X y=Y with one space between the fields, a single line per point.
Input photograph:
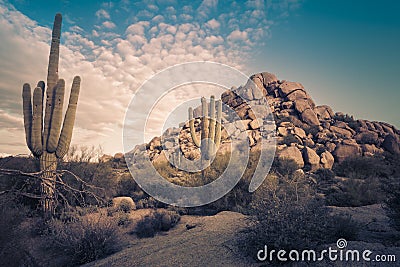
x=56 y=117
x=52 y=71
x=37 y=121
x=27 y=110
x=69 y=120
x=52 y=75
x=218 y=125
x=195 y=139
x=204 y=127
x=211 y=126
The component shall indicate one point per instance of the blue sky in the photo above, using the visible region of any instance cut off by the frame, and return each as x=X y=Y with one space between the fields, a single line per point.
x=345 y=53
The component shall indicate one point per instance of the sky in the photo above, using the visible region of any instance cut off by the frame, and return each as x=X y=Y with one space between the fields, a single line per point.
x=345 y=53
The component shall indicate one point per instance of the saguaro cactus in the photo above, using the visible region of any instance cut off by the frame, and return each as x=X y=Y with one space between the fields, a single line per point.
x=43 y=135
x=210 y=128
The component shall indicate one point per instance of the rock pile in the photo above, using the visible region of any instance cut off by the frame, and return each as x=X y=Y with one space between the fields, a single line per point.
x=313 y=136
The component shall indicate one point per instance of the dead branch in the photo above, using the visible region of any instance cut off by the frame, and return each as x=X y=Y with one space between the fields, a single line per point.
x=76 y=193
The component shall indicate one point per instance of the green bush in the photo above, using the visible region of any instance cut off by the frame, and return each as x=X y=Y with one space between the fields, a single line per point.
x=86 y=239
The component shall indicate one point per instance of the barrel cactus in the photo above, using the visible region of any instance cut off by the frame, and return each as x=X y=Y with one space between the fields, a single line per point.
x=210 y=136
x=45 y=137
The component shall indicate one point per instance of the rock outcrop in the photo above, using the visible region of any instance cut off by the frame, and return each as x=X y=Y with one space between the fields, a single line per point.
x=313 y=136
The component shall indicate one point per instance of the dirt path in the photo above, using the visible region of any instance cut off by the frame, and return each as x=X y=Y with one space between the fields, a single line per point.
x=210 y=243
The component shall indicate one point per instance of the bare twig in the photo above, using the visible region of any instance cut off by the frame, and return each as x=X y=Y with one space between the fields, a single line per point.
x=61 y=185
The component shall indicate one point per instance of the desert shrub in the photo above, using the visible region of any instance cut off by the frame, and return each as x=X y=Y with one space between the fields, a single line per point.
x=125 y=206
x=128 y=187
x=146 y=227
x=123 y=219
x=13 y=246
x=355 y=193
x=85 y=239
x=362 y=167
x=289 y=139
x=160 y=220
x=149 y=203
x=98 y=174
x=345 y=227
x=344 y=117
x=324 y=174
x=392 y=202
x=284 y=166
x=288 y=215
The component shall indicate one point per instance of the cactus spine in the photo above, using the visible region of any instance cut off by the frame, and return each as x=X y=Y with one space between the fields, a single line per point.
x=210 y=128
x=42 y=133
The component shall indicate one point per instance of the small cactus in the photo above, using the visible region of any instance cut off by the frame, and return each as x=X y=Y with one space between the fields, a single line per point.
x=210 y=128
x=44 y=136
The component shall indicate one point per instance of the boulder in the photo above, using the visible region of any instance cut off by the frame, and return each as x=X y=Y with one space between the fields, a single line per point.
x=391 y=144
x=255 y=124
x=293 y=153
x=288 y=87
x=300 y=132
x=119 y=156
x=287 y=105
x=301 y=105
x=309 y=117
x=344 y=151
x=327 y=160
x=371 y=149
x=340 y=131
x=311 y=158
x=124 y=203
x=387 y=128
x=367 y=137
x=160 y=158
x=324 y=112
x=105 y=158
x=297 y=94
x=242 y=124
x=282 y=131
x=330 y=146
x=268 y=78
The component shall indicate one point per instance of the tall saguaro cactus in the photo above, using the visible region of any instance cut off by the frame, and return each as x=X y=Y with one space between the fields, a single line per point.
x=44 y=136
x=210 y=128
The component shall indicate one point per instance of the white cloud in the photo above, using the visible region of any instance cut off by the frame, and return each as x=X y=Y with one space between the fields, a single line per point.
x=213 y=24
x=102 y=14
x=112 y=67
x=109 y=24
x=237 y=35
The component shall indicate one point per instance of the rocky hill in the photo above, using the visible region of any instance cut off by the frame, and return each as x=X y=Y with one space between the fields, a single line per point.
x=314 y=136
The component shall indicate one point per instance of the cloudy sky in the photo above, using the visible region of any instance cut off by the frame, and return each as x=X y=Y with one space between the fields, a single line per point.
x=346 y=55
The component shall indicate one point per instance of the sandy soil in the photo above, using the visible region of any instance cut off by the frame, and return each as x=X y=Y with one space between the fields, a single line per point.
x=210 y=243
